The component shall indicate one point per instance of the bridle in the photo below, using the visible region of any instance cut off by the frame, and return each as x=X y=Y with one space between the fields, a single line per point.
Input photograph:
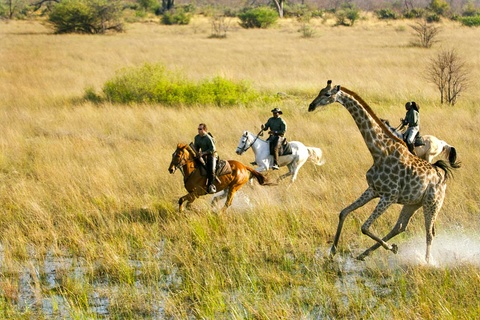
x=245 y=147
x=181 y=163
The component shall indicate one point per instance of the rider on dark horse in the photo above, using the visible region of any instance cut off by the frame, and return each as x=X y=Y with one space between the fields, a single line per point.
x=204 y=144
x=277 y=127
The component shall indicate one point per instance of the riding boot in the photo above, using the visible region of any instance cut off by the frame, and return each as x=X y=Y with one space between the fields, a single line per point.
x=411 y=148
x=211 y=165
x=275 y=159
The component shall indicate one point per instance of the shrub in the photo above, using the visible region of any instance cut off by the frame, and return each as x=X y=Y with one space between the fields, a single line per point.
x=432 y=17
x=347 y=15
x=153 y=83
x=470 y=21
x=86 y=16
x=176 y=16
x=414 y=13
x=385 y=14
x=440 y=7
x=261 y=17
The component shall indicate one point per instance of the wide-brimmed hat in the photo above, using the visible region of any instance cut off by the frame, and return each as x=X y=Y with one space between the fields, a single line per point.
x=277 y=110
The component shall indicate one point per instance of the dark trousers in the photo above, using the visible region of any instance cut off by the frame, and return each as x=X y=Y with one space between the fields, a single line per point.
x=275 y=145
x=210 y=164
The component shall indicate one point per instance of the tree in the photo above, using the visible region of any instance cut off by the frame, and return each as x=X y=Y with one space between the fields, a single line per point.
x=425 y=34
x=12 y=8
x=167 y=5
x=347 y=14
x=86 y=16
x=279 y=6
x=440 y=7
x=449 y=72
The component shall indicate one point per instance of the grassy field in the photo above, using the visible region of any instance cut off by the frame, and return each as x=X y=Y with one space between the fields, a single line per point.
x=89 y=226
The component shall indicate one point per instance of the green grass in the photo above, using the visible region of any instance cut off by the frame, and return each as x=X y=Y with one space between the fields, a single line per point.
x=85 y=189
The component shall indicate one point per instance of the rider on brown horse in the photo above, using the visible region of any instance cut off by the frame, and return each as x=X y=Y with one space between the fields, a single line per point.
x=277 y=127
x=204 y=144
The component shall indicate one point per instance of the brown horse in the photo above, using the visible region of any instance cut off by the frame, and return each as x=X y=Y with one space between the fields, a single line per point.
x=195 y=183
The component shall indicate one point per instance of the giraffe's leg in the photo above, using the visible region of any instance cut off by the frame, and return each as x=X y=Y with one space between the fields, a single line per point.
x=368 y=195
x=401 y=225
x=430 y=212
x=381 y=207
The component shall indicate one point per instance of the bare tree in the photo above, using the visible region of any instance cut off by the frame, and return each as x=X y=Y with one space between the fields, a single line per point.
x=167 y=5
x=408 y=5
x=279 y=6
x=450 y=73
x=425 y=33
x=13 y=7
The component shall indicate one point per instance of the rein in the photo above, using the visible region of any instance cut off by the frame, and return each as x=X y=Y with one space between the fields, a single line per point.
x=180 y=165
x=245 y=148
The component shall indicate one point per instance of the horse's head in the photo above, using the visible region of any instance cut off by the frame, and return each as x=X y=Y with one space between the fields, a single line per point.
x=386 y=122
x=243 y=144
x=326 y=96
x=179 y=157
x=397 y=133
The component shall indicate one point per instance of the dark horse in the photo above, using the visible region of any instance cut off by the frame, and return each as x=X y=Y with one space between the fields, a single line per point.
x=195 y=182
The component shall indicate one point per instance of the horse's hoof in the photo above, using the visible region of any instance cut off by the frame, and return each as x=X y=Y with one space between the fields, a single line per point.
x=394 y=248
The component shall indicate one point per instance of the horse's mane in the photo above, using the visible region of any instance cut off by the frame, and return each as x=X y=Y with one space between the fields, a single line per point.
x=186 y=147
x=371 y=113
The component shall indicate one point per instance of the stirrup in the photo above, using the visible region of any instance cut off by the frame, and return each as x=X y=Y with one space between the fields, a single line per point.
x=212 y=189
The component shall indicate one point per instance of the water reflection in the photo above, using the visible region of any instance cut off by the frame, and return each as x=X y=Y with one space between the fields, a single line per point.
x=40 y=288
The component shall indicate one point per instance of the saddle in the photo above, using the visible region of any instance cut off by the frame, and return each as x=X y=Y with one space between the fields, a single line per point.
x=285 y=148
x=223 y=167
x=418 y=140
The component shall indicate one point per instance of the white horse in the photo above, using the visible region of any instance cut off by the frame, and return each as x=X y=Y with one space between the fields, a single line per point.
x=432 y=148
x=261 y=149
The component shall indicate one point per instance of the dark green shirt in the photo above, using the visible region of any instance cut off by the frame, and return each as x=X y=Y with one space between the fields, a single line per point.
x=204 y=144
x=277 y=125
x=412 y=118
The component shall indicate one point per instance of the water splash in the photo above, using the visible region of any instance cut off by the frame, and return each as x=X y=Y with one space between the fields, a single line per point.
x=449 y=249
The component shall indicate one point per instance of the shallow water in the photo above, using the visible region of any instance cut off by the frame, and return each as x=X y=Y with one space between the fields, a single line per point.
x=38 y=280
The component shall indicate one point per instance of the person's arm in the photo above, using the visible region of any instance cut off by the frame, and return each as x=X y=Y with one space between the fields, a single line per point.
x=266 y=125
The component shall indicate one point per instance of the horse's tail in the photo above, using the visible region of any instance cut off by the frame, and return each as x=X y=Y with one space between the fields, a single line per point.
x=316 y=155
x=257 y=175
x=446 y=167
x=452 y=156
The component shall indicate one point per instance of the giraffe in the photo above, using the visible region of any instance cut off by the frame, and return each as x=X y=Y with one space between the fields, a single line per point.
x=396 y=176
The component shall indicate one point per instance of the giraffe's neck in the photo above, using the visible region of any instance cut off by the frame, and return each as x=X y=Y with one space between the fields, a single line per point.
x=380 y=142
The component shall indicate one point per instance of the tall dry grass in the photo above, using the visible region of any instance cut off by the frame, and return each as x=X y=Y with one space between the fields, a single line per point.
x=90 y=183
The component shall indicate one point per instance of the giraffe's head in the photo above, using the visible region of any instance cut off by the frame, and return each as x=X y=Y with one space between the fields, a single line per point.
x=326 y=96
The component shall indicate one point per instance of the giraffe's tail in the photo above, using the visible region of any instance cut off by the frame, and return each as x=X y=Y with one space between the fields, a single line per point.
x=446 y=167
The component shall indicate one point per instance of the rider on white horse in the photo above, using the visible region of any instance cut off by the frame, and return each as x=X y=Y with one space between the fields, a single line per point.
x=277 y=127
x=412 y=119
